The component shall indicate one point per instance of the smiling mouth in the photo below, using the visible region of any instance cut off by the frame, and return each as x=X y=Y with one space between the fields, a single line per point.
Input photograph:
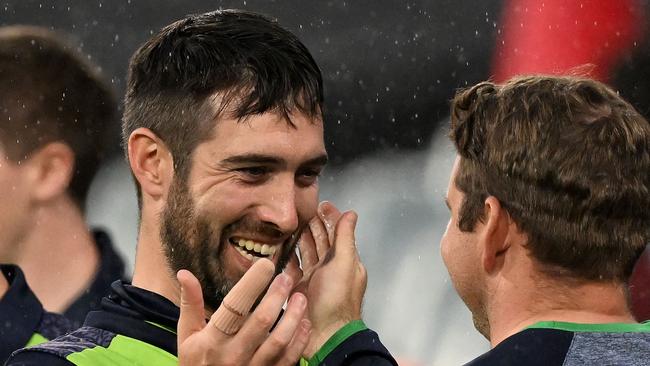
x=251 y=249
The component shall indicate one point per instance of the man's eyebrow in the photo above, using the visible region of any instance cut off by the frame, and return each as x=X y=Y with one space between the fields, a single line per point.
x=253 y=159
x=447 y=203
x=317 y=161
x=270 y=160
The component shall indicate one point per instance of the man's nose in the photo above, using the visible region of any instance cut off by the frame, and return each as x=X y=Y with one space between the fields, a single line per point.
x=279 y=207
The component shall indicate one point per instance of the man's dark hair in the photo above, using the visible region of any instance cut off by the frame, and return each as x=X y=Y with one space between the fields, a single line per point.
x=50 y=93
x=230 y=61
x=568 y=159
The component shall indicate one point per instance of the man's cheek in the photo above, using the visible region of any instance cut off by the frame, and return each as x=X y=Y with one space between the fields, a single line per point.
x=307 y=205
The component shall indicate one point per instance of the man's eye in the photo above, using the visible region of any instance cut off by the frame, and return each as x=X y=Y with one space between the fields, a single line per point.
x=255 y=171
x=311 y=173
x=309 y=176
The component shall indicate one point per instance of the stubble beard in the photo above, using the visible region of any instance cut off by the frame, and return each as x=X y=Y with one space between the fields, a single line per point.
x=190 y=242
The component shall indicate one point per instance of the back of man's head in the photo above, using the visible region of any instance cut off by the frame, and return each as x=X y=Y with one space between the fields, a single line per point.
x=51 y=94
x=569 y=160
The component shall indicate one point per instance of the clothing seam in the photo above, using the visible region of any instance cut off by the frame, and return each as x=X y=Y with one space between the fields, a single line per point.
x=593 y=328
x=566 y=356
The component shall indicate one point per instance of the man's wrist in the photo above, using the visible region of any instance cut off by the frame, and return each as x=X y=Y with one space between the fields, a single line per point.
x=326 y=341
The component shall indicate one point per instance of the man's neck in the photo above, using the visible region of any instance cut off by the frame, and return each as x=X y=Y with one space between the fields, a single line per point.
x=151 y=268
x=587 y=303
x=59 y=256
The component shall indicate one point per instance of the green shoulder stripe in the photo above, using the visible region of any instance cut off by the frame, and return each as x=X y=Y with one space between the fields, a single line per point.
x=36 y=339
x=123 y=351
x=600 y=328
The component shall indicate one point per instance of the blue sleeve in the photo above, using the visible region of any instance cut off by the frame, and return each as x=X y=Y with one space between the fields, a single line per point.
x=356 y=345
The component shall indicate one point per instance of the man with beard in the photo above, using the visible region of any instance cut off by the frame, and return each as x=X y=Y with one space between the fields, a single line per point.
x=224 y=136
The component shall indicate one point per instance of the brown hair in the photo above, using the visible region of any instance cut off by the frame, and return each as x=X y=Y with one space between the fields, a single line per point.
x=247 y=61
x=50 y=93
x=570 y=162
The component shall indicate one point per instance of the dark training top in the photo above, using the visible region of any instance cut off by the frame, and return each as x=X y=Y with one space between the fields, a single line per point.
x=132 y=327
x=136 y=326
x=23 y=321
x=571 y=344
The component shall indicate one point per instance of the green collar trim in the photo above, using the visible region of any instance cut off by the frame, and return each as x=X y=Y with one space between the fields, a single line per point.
x=600 y=328
x=339 y=337
x=161 y=326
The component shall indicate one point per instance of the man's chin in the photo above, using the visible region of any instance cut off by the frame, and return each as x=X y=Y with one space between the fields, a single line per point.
x=482 y=325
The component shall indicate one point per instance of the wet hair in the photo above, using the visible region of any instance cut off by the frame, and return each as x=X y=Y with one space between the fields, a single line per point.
x=568 y=159
x=50 y=93
x=224 y=63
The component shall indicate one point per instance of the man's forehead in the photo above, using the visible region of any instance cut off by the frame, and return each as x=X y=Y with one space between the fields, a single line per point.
x=269 y=135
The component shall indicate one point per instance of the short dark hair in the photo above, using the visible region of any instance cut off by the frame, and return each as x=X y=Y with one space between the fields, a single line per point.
x=568 y=159
x=243 y=61
x=50 y=93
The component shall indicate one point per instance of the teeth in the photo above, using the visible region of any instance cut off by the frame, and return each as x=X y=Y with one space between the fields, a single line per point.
x=263 y=249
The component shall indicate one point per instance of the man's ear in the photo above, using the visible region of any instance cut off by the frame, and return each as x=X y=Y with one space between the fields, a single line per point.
x=51 y=168
x=151 y=162
x=494 y=236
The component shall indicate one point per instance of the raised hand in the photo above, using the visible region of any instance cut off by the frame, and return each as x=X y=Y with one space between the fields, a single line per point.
x=334 y=279
x=233 y=336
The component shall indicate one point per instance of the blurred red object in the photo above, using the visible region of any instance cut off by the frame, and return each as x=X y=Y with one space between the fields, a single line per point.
x=558 y=36
x=640 y=287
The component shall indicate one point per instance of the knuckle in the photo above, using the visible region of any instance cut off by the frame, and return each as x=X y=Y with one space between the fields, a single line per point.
x=264 y=319
x=362 y=271
x=278 y=341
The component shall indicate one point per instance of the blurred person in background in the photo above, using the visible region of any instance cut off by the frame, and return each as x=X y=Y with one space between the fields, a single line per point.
x=54 y=108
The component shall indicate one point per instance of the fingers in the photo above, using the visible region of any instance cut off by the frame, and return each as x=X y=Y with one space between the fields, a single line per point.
x=308 y=253
x=344 y=241
x=293 y=269
x=230 y=316
x=278 y=344
x=256 y=328
x=297 y=345
x=330 y=215
x=319 y=234
x=192 y=318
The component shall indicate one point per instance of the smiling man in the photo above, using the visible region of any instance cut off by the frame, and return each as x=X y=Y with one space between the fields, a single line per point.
x=224 y=136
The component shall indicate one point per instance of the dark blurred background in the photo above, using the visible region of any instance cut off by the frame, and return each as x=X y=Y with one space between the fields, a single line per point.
x=389 y=66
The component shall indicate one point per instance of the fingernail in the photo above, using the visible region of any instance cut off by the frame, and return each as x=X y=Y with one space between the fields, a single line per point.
x=299 y=300
x=324 y=208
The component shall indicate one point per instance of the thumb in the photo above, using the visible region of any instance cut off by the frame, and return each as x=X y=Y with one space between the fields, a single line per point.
x=192 y=318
